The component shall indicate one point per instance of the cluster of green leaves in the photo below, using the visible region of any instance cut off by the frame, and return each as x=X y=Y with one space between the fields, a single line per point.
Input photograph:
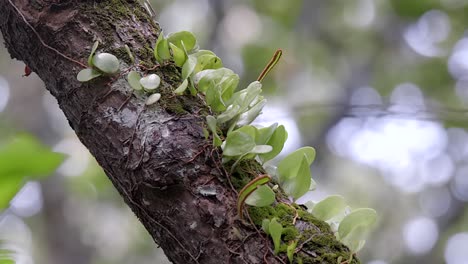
x=274 y=229
x=99 y=64
x=23 y=158
x=234 y=110
x=350 y=226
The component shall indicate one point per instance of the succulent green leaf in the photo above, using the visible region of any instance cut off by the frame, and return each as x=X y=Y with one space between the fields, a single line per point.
x=91 y=55
x=362 y=218
x=134 y=80
x=277 y=140
x=179 y=55
x=266 y=225
x=153 y=98
x=150 y=82
x=297 y=185
x=354 y=245
x=87 y=75
x=249 y=116
x=246 y=96
x=188 y=39
x=129 y=53
x=262 y=196
x=329 y=207
x=229 y=114
x=161 y=49
x=106 y=62
x=211 y=122
x=228 y=86
x=288 y=167
x=275 y=229
x=264 y=134
x=208 y=61
x=213 y=99
x=249 y=130
x=203 y=52
x=188 y=67
x=238 y=143
x=182 y=87
x=260 y=149
x=290 y=250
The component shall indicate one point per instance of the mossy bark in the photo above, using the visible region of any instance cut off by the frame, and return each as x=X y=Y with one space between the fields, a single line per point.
x=156 y=157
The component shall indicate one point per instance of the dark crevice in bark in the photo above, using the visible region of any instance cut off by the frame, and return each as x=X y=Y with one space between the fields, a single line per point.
x=157 y=156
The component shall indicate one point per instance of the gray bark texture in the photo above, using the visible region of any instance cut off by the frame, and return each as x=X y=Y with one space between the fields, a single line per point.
x=156 y=156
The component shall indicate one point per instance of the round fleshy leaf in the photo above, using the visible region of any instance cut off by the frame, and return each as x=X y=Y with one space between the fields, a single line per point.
x=91 y=55
x=87 y=75
x=362 y=219
x=150 y=82
x=106 y=62
x=262 y=196
x=153 y=98
x=238 y=143
x=186 y=37
x=129 y=53
x=260 y=149
x=178 y=54
x=182 y=87
x=329 y=207
x=134 y=80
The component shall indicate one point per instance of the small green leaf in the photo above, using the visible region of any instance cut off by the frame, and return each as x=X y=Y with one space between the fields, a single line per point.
x=134 y=80
x=289 y=166
x=262 y=196
x=276 y=229
x=91 y=55
x=87 y=75
x=213 y=99
x=249 y=130
x=248 y=189
x=208 y=61
x=182 y=87
x=359 y=218
x=129 y=53
x=298 y=185
x=290 y=250
x=261 y=149
x=153 y=98
x=211 y=121
x=229 y=114
x=161 y=49
x=329 y=207
x=186 y=37
x=106 y=62
x=249 y=116
x=179 y=55
x=150 y=82
x=266 y=225
x=188 y=67
x=277 y=140
x=264 y=134
x=238 y=143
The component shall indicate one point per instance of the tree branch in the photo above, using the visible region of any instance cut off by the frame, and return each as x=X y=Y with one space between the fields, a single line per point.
x=157 y=156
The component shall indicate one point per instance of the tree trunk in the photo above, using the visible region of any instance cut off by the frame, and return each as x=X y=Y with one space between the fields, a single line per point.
x=157 y=156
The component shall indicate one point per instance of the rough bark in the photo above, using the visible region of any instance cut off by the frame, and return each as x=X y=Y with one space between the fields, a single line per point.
x=156 y=157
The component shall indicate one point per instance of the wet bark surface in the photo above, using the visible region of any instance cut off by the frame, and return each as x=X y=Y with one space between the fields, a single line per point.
x=156 y=156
